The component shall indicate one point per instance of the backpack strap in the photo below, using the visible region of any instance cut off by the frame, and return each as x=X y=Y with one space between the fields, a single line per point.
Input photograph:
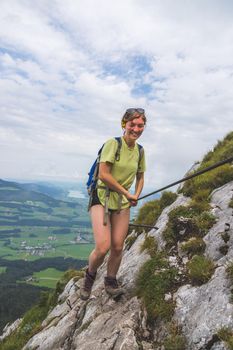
x=141 y=152
x=117 y=158
x=117 y=155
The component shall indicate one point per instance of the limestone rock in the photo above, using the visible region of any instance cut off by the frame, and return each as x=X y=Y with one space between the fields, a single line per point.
x=9 y=328
x=119 y=331
x=204 y=310
x=55 y=336
x=220 y=202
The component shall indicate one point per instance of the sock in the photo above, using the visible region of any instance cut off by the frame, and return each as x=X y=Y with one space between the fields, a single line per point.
x=91 y=274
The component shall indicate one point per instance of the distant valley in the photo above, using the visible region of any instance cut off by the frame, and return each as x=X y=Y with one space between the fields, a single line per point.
x=35 y=224
x=44 y=230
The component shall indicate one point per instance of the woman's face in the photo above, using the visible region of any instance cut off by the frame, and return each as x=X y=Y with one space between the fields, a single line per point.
x=134 y=128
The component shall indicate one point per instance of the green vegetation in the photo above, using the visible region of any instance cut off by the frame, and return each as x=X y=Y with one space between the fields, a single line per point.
x=16 y=298
x=31 y=323
x=189 y=221
x=150 y=211
x=187 y=225
x=205 y=221
x=155 y=279
x=225 y=236
x=231 y=203
x=150 y=245
x=226 y=335
x=2 y=269
x=200 y=269
x=130 y=241
x=46 y=278
x=217 y=177
x=175 y=342
x=195 y=245
x=229 y=271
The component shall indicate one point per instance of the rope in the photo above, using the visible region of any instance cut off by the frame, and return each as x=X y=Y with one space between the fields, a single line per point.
x=216 y=165
x=147 y=226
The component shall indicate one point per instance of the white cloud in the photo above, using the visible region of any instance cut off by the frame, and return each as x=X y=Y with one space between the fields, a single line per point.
x=69 y=69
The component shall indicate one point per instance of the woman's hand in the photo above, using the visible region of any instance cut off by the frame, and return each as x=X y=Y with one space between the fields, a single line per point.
x=132 y=198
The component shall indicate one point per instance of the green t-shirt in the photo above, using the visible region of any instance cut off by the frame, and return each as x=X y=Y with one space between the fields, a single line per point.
x=124 y=170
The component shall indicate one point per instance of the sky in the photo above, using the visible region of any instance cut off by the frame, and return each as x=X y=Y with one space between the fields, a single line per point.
x=69 y=69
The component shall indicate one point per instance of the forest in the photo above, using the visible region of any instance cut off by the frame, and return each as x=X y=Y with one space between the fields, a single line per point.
x=15 y=294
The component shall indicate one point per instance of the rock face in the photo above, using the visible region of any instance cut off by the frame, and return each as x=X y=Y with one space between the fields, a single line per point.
x=204 y=310
x=9 y=328
x=104 y=324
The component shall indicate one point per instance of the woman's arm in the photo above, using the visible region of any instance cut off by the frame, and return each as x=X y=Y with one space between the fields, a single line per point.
x=106 y=176
x=138 y=187
x=139 y=184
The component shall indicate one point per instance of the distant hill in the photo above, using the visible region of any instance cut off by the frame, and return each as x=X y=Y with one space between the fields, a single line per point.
x=48 y=189
x=19 y=205
x=30 y=222
x=12 y=191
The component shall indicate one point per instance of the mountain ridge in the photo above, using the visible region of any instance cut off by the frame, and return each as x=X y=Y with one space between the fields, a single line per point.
x=178 y=279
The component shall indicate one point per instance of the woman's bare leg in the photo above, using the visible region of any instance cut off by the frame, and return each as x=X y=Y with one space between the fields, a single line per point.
x=102 y=237
x=119 y=229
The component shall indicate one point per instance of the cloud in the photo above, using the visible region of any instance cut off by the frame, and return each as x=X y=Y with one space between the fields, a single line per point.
x=69 y=70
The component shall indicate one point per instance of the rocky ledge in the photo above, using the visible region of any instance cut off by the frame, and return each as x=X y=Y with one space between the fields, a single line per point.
x=104 y=324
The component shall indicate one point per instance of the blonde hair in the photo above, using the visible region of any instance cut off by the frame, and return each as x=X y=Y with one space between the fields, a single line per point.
x=128 y=116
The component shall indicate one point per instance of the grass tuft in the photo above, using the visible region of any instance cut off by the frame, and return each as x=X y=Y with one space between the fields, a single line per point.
x=200 y=269
x=217 y=177
x=154 y=280
x=175 y=342
x=195 y=245
x=229 y=271
x=150 y=245
x=226 y=335
x=130 y=241
x=151 y=210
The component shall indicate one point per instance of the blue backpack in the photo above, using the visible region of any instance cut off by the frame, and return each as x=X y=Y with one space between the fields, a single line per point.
x=94 y=170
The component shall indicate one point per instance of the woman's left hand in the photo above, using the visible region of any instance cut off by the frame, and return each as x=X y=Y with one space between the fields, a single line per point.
x=133 y=199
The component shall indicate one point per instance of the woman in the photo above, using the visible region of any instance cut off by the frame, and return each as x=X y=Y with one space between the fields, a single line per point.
x=115 y=179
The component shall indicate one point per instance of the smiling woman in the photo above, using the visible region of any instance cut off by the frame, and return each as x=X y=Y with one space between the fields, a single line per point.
x=112 y=200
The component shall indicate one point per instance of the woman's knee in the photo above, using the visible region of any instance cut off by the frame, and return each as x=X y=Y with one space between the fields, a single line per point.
x=116 y=250
x=101 y=251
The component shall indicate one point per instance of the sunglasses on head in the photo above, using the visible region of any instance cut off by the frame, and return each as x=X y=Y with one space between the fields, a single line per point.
x=135 y=110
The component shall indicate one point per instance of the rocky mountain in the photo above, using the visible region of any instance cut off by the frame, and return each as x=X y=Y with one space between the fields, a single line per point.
x=178 y=280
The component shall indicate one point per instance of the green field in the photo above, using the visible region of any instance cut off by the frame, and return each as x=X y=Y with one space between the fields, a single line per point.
x=47 y=278
x=2 y=269
x=59 y=247
x=35 y=242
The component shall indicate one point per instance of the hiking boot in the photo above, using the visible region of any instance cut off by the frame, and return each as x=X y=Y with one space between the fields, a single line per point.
x=85 y=290
x=112 y=287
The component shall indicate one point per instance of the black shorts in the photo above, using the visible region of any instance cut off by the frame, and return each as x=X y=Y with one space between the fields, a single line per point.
x=95 y=199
